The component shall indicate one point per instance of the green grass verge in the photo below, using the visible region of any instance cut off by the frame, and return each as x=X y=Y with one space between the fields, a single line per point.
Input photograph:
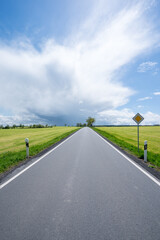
x=10 y=159
x=153 y=158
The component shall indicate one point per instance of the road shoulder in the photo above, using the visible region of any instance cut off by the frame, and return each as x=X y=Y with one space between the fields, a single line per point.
x=26 y=162
x=137 y=160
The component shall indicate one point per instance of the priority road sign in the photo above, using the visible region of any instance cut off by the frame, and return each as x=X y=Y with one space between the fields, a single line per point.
x=138 y=118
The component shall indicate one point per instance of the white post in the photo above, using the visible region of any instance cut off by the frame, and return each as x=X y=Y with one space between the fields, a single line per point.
x=27 y=147
x=145 y=150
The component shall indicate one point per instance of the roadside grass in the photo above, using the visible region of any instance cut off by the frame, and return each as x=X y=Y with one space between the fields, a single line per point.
x=12 y=145
x=126 y=138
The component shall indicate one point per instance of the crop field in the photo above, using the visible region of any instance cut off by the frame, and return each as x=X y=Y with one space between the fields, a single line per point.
x=126 y=137
x=12 y=142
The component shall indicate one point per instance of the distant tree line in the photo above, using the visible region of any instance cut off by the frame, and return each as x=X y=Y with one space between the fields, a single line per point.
x=81 y=125
x=89 y=122
x=39 y=126
x=22 y=126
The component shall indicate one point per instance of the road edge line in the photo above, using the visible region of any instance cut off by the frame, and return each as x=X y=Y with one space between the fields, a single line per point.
x=131 y=161
x=39 y=159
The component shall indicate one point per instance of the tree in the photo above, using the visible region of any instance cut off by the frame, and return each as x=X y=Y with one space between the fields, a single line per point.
x=90 y=121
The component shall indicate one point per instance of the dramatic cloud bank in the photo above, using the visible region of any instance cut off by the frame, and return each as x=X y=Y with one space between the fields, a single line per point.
x=78 y=77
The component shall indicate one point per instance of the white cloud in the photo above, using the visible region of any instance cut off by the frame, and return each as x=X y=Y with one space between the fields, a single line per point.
x=61 y=79
x=146 y=66
x=116 y=117
x=124 y=117
x=140 y=106
x=156 y=93
x=145 y=98
x=151 y=118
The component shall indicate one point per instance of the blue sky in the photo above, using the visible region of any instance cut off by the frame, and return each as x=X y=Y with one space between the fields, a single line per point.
x=62 y=61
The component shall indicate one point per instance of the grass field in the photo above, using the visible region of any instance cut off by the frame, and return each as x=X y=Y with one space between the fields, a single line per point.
x=12 y=142
x=126 y=137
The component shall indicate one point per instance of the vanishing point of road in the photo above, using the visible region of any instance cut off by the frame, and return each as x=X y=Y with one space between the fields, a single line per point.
x=82 y=190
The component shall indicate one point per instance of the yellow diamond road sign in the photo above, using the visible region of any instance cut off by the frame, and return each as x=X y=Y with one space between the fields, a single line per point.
x=138 y=118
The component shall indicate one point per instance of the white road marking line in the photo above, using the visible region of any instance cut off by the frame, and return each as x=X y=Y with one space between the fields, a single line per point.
x=18 y=174
x=131 y=161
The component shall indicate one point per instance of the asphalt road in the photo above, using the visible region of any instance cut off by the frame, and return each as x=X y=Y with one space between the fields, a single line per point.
x=83 y=190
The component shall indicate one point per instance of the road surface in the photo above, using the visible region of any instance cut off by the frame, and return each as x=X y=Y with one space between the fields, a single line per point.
x=83 y=190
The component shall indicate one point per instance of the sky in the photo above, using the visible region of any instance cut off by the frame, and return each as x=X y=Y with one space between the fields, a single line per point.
x=62 y=61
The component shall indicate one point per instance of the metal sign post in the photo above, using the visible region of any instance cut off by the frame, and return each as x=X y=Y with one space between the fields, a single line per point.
x=138 y=119
x=138 y=135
